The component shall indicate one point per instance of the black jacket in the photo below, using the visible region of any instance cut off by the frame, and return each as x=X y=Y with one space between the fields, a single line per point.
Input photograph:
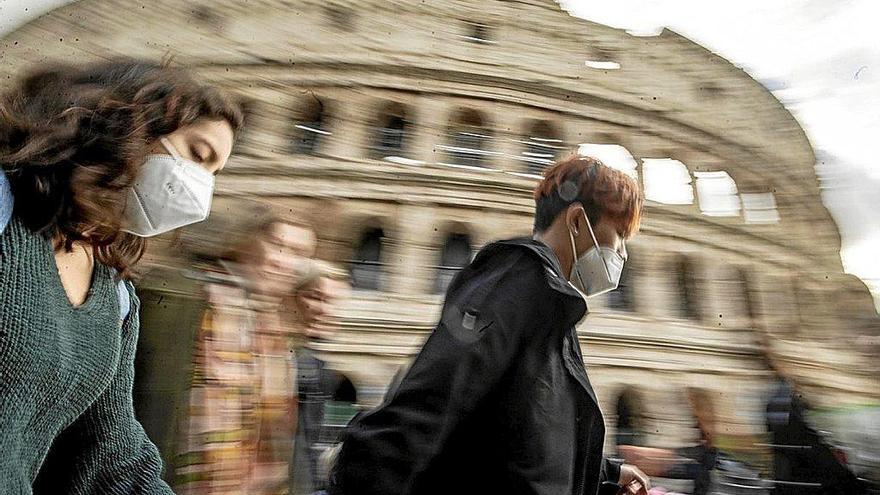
x=497 y=401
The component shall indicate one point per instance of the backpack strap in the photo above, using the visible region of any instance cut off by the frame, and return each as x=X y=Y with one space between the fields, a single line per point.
x=124 y=298
x=6 y=201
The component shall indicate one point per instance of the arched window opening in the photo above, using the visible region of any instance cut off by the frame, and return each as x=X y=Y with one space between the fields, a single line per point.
x=456 y=254
x=469 y=140
x=366 y=265
x=310 y=127
x=391 y=132
x=542 y=146
x=623 y=298
x=686 y=281
x=629 y=421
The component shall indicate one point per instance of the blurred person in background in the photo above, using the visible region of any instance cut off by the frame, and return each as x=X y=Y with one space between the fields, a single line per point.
x=94 y=158
x=237 y=432
x=498 y=400
x=312 y=304
x=803 y=462
x=277 y=408
x=693 y=463
x=315 y=297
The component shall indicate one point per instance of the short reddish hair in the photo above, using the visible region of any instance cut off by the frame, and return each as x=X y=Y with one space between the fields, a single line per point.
x=605 y=193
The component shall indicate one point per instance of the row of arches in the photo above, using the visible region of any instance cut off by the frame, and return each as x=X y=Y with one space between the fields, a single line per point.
x=684 y=286
x=369 y=268
x=468 y=140
x=688 y=289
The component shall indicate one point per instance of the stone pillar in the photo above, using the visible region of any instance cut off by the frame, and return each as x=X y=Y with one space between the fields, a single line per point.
x=640 y=148
x=568 y=134
x=349 y=125
x=270 y=124
x=666 y=419
x=412 y=254
x=510 y=129
x=430 y=122
x=728 y=297
x=655 y=282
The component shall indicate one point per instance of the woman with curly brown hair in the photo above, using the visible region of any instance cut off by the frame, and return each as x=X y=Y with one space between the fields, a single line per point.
x=94 y=158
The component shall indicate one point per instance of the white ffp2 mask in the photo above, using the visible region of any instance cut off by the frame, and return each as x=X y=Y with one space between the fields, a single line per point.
x=168 y=192
x=598 y=270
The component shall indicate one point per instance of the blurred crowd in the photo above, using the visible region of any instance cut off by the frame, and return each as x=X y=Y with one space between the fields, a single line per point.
x=233 y=393
x=803 y=461
x=236 y=405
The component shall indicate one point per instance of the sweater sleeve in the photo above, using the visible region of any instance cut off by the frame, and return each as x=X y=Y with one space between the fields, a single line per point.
x=105 y=450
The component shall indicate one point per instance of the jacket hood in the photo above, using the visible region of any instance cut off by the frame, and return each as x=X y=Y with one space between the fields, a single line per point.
x=575 y=304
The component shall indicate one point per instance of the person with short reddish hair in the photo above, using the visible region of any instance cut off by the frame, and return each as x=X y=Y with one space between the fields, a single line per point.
x=498 y=400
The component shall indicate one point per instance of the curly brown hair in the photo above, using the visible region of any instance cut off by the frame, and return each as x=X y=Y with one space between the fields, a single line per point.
x=72 y=139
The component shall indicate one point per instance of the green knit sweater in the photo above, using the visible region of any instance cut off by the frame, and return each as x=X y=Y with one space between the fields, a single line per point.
x=67 y=424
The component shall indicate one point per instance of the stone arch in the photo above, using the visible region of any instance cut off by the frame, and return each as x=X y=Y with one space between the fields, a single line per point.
x=369 y=251
x=391 y=131
x=687 y=286
x=310 y=125
x=469 y=137
x=542 y=144
x=455 y=252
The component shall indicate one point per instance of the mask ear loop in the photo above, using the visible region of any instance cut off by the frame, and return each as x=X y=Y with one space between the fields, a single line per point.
x=169 y=147
x=574 y=253
x=596 y=243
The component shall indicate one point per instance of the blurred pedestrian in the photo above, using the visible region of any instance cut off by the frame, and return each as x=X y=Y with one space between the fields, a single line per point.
x=237 y=432
x=315 y=298
x=696 y=462
x=94 y=157
x=498 y=400
x=313 y=303
x=803 y=462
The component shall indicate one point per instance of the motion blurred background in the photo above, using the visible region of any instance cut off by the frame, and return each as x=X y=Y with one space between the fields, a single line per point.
x=411 y=133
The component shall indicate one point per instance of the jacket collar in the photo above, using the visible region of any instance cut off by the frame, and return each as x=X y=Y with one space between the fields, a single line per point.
x=575 y=305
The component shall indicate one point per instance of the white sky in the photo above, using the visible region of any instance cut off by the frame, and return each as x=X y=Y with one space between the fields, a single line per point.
x=821 y=58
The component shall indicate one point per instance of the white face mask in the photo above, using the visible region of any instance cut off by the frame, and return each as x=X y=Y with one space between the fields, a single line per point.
x=598 y=270
x=169 y=192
